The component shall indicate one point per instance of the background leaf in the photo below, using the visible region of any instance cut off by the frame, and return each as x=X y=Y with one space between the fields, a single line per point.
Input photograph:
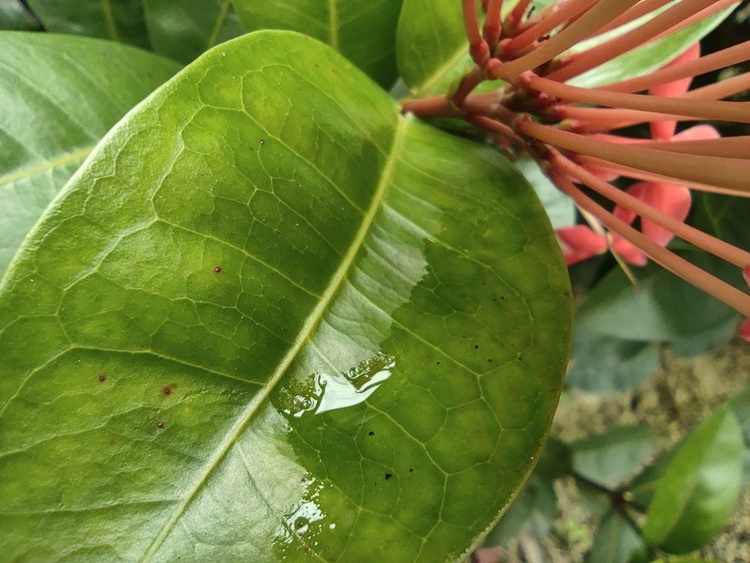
x=606 y=364
x=15 y=16
x=116 y=20
x=616 y=541
x=699 y=488
x=184 y=30
x=251 y=330
x=364 y=32
x=60 y=96
x=439 y=25
x=613 y=456
x=657 y=309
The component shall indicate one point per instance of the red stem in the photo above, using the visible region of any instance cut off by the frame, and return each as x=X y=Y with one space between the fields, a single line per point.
x=604 y=10
x=478 y=48
x=667 y=259
x=707 y=63
x=492 y=25
x=723 y=250
x=730 y=173
x=707 y=109
x=641 y=35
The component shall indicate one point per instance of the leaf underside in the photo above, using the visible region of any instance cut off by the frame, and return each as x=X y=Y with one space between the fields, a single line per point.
x=271 y=319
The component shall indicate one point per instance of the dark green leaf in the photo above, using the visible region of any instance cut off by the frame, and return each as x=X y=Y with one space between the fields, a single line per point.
x=273 y=318
x=616 y=540
x=728 y=217
x=60 y=95
x=431 y=46
x=184 y=30
x=698 y=491
x=533 y=510
x=606 y=364
x=612 y=457
x=116 y=20
x=535 y=507
x=661 y=308
x=15 y=16
x=364 y=32
x=642 y=487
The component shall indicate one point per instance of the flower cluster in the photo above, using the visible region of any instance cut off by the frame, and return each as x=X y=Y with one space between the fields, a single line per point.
x=568 y=130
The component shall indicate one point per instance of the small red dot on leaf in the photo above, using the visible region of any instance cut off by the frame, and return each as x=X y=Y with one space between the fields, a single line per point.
x=217 y=270
x=167 y=391
x=102 y=379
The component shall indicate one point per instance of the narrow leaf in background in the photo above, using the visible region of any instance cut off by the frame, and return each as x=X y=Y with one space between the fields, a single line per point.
x=60 y=96
x=249 y=330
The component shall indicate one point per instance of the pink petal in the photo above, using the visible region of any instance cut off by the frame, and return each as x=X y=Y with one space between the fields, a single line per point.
x=671 y=200
x=664 y=130
x=636 y=190
x=579 y=243
x=629 y=252
x=744 y=330
x=697 y=133
x=746 y=274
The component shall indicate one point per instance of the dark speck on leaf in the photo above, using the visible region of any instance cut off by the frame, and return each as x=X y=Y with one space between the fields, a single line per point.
x=411 y=470
x=217 y=270
x=437 y=363
x=167 y=391
x=317 y=65
x=371 y=433
x=476 y=346
x=388 y=476
x=160 y=425
x=102 y=378
x=635 y=401
x=490 y=360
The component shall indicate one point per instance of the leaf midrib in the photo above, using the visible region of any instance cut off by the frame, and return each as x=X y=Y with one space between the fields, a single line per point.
x=45 y=166
x=337 y=280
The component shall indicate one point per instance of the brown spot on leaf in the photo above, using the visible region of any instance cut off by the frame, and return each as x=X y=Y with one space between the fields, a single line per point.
x=160 y=425
x=102 y=378
x=217 y=270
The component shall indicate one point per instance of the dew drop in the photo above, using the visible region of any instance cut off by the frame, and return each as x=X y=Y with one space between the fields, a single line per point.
x=102 y=379
x=217 y=270
x=332 y=527
x=262 y=141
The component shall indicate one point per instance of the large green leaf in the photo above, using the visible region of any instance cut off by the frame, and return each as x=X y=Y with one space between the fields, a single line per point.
x=271 y=318
x=699 y=488
x=184 y=30
x=117 y=20
x=364 y=32
x=60 y=95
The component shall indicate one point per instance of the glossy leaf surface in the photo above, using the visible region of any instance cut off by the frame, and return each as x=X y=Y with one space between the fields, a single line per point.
x=699 y=488
x=116 y=20
x=272 y=318
x=364 y=32
x=184 y=30
x=60 y=95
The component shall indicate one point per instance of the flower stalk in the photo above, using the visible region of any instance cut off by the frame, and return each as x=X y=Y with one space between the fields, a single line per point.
x=575 y=134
